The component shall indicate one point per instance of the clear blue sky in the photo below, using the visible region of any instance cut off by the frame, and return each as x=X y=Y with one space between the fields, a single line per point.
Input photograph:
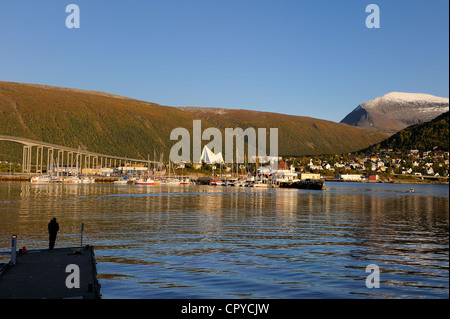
x=313 y=58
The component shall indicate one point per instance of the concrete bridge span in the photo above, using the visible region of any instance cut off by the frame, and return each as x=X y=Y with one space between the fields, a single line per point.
x=58 y=155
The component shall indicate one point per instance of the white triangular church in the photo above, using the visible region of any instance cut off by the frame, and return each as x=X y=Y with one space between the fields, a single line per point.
x=209 y=157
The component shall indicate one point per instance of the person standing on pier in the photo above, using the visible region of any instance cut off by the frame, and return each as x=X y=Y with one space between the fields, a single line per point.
x=53 y=228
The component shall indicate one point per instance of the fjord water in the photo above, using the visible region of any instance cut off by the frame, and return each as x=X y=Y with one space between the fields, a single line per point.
x=225 y=242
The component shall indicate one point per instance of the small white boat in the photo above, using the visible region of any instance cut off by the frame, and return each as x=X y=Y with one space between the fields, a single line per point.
x=239 y=183
x=259 y=184
x=171 y=181
x=40 y=179
x=121 y=181
x=72 y=180
x=142 y=181
x=221 y=183
x=87 y=180
x=55 y=179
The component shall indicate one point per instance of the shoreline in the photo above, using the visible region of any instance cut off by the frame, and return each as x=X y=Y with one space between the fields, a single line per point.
x=110 y=180
x=393 y=182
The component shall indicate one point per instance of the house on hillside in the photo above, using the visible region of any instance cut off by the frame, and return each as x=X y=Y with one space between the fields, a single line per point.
x=312 y=166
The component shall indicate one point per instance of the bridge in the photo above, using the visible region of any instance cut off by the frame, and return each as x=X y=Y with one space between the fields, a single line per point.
x=58 y=155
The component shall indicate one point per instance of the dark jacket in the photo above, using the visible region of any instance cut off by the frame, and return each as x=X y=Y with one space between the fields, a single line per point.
x=53 y=227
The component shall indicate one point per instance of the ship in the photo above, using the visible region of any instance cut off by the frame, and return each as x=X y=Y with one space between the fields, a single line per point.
x=316 y=184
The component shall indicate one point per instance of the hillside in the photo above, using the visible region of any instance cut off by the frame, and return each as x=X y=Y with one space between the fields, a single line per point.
x=422 y=137
x=121 y=126
x=94 y=121
x=297 y=135
x=395 y=111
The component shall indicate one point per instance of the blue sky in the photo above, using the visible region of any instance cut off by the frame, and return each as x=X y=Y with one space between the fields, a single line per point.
x=312 y=58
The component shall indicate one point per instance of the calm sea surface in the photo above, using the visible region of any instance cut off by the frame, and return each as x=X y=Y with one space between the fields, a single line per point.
x=226 y=242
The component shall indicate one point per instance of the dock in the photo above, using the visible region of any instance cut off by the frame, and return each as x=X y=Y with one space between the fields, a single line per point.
x=61 y=273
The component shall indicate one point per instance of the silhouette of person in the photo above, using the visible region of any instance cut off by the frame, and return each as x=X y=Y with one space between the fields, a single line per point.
x=53 y=228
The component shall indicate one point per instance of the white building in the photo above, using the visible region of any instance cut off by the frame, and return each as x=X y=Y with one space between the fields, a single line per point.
x=285 y=173
x=350 y=177
x=210 y=158
x=310 y=176
x=313 y=167
x=125 y=169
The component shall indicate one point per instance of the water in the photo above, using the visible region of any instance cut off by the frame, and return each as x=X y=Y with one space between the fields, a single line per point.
x=217 y=242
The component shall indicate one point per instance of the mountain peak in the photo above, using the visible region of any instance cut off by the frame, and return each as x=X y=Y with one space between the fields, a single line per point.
x=406 y=97
x=395 y=111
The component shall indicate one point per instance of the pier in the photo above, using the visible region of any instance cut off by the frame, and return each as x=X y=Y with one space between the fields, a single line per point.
x=61 y=273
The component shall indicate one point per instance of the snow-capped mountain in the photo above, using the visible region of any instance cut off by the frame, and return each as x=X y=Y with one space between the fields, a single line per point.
x=395 y=111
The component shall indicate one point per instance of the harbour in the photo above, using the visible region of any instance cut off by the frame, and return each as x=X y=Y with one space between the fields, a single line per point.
x=222 y=153
x=201 y=241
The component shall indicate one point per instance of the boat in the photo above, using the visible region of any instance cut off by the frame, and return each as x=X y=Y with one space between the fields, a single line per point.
x=249 y=181
x=72 y=180
x=222 y=183
x=146 y=181
x=306 y=184
x=55 y=179
x=185 y=181
x=87 y=180
x=121 y=181
x=239 y=183
x=171 y=181
x=259 y=184
x=40 y=179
